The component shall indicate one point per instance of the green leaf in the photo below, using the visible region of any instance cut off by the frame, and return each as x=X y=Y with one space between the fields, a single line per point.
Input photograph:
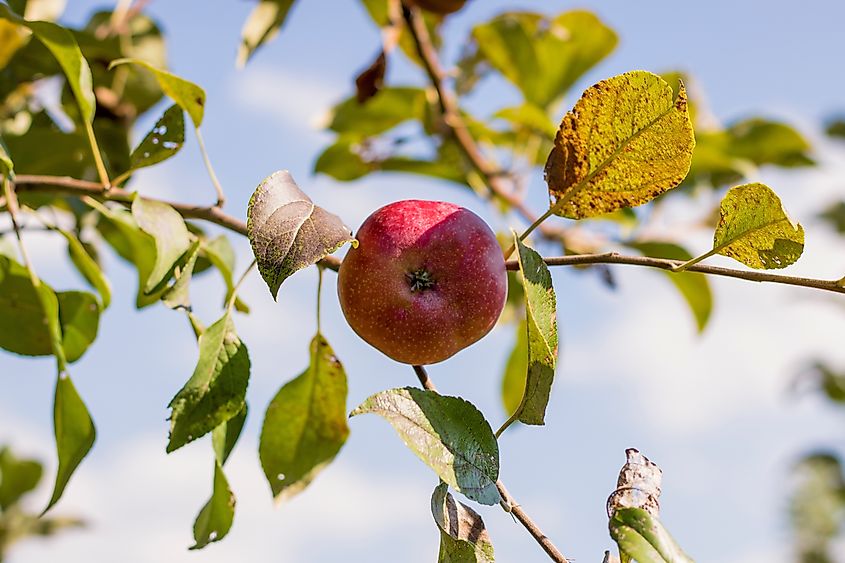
x=342 y=160
x=185 y=93
x=79 y=316
x=261 y=26
x=88 y=267
x=693 y=287
x=216 y=390
x=17 y=477
x=530 y=117
x=463 y=536
x=75 y=433
x=287 y=231
x=541 y=322
x=163 y=141
x=172 y=239
x=755 y=230
x=305 y=424
x=121 y=231
x=215 y=518
x=177 y=296
x=768 y=142
x=836 y=128
x=64 y=48
x=447 y=433
x=627 y=141
x=30 y=324
x=817 y=506
x=386 y=110
x=225 y=436
x=542 y=56
x=220 y=253
x=835 y=215
x=513 y=382
x=642 y=537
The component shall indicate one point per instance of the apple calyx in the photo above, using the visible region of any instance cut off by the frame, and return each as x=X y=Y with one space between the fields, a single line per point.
x=419 y=280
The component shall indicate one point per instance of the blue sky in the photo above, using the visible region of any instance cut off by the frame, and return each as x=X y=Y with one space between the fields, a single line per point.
x=713 y=410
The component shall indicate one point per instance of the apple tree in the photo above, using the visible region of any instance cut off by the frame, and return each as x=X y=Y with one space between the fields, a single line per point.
x=419 y=280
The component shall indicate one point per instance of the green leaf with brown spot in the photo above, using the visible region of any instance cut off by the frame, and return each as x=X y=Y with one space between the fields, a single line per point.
x=448 y=434
x=184 y=92
x=626 y=141
x=75 y=433
x=754 y=229
x=542 y=338
x=287 y=231
x=216 y=391
x=305 y=425
x=463 y=536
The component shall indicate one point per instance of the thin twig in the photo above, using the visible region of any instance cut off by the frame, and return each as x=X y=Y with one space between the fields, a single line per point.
x=670 y=265
x=508 y=501
x=492 y=176
x=221 y=198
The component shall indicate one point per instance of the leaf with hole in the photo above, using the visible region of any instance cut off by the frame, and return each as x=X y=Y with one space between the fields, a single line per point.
x=541 y=324
x=171 y=236
x=448 y=434
x=163 y=141
x=305 y=425
x=75 y=433
x=185 y=93
x=754 y=229
x=287 y=231
x=215 y=518
x=626 y=141
x=216 y=391
x=463 y=536
x=642 y=537
x=262 y=25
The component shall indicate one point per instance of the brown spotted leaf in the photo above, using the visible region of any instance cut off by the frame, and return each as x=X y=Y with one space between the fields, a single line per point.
x=287 y=231
x=626 y=141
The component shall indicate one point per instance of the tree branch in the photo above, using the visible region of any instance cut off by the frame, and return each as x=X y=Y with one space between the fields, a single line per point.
x=508 y=501
x=670 y=265
x=492 y=176
x=78 y=188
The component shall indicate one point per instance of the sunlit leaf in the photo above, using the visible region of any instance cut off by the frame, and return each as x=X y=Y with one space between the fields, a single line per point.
x=447 y=433
x=262 y=25
x=184 y=92
x=64 y=48
x=88 y=267
x=541 y=321
x=463 y=536
x=79 y=316
x=215 y=392
x=542 y=56
x=755 y=230
x=225 y=436
x=163 y=141
x=287 y=231
x=642 y=537
x=386 y=110
x=693 y=287
x=305 y=425
x=513 y=381
x=215 y=518
x=177 y=296
x=172 y=239
x=17 y=477
x=529 y=116
x=626 y=141
x=342 y=161
x=75 y=433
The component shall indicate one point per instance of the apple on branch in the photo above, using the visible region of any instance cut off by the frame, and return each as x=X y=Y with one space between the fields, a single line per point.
x=426 y=280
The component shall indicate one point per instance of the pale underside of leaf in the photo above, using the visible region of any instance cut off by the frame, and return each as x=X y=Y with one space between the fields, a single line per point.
x=754 y=229
x=262 y=25
x=287 y=231
x=447 y=433
x=625 y=142
x=463 y=536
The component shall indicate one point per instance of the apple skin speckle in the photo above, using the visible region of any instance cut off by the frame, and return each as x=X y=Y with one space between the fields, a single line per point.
x=427 y=280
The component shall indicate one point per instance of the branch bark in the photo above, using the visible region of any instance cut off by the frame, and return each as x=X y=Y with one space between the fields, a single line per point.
x=508 y=501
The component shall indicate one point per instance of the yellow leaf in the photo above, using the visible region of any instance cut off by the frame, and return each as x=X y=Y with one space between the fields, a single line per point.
x=626 y=141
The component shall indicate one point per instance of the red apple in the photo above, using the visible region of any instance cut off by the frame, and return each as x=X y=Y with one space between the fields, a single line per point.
x=426 y=280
